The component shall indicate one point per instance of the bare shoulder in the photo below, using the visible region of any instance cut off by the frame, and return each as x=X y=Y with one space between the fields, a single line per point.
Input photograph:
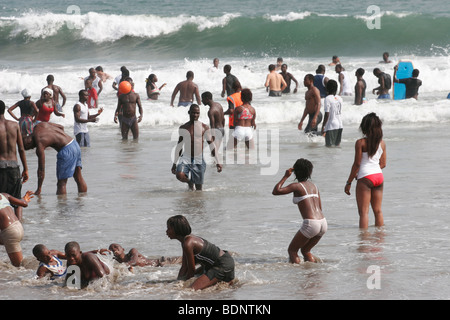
x=361 y=142
x=184 y=126
x=12 y=124
x=315 y=90
x=133 y=252
x=188 y=241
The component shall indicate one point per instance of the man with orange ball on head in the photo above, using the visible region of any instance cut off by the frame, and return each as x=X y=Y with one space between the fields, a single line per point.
x=126 y=105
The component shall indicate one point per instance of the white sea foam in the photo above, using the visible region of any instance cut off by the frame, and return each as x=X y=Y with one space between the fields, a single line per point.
x=291 y=16
x=432 y=105
x=99 y=27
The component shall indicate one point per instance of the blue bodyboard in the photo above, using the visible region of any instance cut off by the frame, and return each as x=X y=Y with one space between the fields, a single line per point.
x=404 y=71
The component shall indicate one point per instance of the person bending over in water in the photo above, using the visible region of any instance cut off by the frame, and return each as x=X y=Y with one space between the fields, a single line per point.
x=216 y=264
x=307 y=198
x=135 y=258
x=11 y=229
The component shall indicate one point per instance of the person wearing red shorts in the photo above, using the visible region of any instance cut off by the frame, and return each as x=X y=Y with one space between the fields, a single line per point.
x=370 y=159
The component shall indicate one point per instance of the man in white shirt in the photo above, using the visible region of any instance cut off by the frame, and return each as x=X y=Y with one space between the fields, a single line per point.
x=344 y=81
x=332 y=122
x=81 y=118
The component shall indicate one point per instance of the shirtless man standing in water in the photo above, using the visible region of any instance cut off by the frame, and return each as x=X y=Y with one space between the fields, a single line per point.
x=188 y=90
x=189 y=165
x=127 y=104
x=312 y=107
x=275 y=83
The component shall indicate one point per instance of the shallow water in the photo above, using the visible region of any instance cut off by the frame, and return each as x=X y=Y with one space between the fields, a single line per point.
x=131 y=194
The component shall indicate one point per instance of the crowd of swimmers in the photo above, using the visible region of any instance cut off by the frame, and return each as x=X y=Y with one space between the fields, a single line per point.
x=33 y=130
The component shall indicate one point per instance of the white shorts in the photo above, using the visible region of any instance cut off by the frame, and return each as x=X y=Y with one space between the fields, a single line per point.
x=313 y=227
x=243 y=133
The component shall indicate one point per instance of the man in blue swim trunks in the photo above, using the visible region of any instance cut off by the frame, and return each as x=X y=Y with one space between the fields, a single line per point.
x=385 y=82
x=189 y=165
x=68 y=164
x=188 y=91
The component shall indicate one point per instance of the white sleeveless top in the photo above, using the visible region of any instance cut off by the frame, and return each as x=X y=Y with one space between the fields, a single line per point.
x=346 y=88
x=370 y=165
x=84 y=113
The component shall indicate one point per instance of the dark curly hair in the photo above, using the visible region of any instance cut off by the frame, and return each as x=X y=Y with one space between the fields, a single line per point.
x=246 y=96
x=303 y=169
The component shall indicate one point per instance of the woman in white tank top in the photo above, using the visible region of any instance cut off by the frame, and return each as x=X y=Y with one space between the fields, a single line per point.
x=370 y=158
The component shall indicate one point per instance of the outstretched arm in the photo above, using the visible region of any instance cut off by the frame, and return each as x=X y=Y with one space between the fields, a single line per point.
x=20 y=202
x=174 y=94
x=96 y=266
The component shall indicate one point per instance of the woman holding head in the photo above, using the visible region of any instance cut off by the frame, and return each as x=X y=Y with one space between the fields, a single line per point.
x=370 y=159
x=307 y=198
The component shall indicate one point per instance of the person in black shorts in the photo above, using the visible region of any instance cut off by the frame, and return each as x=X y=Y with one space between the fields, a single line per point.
x=216 y=264
x=10 y=143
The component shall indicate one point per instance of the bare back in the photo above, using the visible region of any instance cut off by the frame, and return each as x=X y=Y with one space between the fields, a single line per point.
x=56 y=92
x=275 y=81
x=188 y=90
x=50 y=135
x=216 y=116
x=7 y=217
x=9 y=137
x=311 y=206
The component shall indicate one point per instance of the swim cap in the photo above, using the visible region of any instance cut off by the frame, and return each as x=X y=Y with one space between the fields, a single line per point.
x=25 y=93
x=49 y=91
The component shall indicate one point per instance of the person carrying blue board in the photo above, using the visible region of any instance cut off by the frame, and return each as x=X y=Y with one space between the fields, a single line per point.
x=411 y=84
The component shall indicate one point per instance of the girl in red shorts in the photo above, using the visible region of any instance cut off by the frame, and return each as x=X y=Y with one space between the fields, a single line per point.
x=370 y=158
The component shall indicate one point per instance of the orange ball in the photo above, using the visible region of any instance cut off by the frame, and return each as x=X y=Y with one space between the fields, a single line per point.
x=124 y=87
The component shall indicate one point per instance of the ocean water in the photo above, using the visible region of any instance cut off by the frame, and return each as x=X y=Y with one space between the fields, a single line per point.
x=131 y=191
